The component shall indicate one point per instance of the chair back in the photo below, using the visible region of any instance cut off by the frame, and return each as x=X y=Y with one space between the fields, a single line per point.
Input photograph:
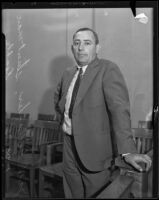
x=20 y=115
x=44 y=133
x=45 y=117
x=15 y=133
x=51 y=118
x=145 y=124
x=143 y=139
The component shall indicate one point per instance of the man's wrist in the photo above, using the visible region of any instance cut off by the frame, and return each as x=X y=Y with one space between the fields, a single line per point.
x=124 y=154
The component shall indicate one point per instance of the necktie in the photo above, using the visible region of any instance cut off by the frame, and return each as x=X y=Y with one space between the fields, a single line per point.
x=74 y=93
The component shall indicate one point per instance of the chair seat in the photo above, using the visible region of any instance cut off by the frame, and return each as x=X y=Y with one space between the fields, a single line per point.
x=27 y=160
x=55 y=169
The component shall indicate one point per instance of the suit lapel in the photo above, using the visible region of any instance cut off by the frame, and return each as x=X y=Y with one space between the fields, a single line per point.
x=88 y=77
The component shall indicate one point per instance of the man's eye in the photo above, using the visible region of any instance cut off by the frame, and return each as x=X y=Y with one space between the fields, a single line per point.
x=76 y=43
x=87 y=43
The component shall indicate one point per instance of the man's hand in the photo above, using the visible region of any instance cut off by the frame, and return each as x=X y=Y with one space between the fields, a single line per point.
x=134 y=159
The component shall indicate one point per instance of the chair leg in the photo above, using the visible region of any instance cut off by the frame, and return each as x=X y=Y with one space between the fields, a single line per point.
x=140 y=185
x=32 y=182
x=41 y=183
x=8 y=172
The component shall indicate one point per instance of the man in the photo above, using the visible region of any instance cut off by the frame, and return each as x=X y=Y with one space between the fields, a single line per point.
x=100 y=108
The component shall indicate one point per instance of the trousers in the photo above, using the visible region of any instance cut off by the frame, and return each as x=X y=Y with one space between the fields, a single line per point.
x=78 y=181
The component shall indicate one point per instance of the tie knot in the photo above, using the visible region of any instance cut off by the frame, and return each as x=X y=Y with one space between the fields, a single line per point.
x=80 y=70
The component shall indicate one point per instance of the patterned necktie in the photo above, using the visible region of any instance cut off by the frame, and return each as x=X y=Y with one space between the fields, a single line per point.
x=75 y=90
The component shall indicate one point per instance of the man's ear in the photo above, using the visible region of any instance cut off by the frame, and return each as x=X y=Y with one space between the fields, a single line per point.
x=98 y=47
x=72 y=49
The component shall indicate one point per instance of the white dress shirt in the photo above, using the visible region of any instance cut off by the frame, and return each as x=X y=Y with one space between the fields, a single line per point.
x=67 y=126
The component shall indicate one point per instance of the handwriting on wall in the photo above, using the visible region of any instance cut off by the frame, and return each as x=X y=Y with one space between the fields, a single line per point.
x=22 y=105
x=9 y=53
x=21 y=63
x=21 y=44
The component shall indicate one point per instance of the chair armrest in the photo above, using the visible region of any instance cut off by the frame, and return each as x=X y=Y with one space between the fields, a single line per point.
x=51 y=151
x=54 y=145
x=150 y=153
x=140 y=185
x=119 y=188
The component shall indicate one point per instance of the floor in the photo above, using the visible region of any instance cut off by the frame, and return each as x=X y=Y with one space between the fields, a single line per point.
x=54 y=189
x=19 y=189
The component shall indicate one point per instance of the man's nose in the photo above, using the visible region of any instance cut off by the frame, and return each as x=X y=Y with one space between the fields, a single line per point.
x=81 y=46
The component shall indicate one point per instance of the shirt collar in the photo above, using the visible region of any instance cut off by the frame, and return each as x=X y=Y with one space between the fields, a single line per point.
x=83 y=68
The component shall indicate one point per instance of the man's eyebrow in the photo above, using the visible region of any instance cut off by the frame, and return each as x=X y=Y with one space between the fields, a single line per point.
x=87 y=40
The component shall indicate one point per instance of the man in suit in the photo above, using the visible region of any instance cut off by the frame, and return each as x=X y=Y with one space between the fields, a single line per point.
x=101 y=107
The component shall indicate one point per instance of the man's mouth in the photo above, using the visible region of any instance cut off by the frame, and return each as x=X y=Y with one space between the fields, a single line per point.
x=82 y=54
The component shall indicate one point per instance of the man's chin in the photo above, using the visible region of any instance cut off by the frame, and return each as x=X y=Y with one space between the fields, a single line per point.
x=82 y=62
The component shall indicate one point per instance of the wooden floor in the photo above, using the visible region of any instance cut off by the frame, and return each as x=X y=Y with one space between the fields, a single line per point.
x=54 y=189
x=19 y=189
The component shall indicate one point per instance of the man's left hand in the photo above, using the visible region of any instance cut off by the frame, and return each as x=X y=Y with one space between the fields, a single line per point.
x=134 y=159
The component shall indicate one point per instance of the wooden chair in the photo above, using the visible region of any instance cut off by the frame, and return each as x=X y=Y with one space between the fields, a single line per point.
x=144 y=144
x=42 y=133
x=130 y=183
x=15 y=131
x=53 y=168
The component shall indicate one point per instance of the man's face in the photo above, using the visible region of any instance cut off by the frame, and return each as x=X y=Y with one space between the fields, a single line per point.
x=84 y=47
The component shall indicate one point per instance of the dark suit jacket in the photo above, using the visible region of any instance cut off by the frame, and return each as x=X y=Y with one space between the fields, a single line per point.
x=102 y=104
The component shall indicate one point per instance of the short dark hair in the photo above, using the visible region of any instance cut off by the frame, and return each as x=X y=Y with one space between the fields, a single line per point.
x=88 y=29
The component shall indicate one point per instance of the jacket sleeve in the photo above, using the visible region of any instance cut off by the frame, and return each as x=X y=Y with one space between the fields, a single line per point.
x=57 y=97
x=117 y=100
